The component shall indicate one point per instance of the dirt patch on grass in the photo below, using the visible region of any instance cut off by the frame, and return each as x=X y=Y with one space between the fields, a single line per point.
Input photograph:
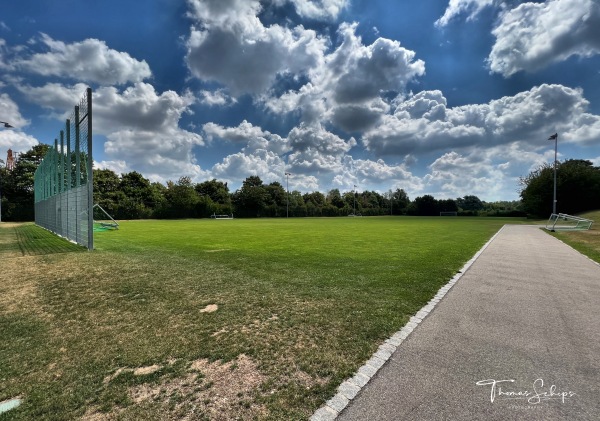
x=144 y=371
x=211 y=308
x=215 y=390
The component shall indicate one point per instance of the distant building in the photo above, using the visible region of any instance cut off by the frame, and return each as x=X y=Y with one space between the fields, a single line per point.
x=10 y=160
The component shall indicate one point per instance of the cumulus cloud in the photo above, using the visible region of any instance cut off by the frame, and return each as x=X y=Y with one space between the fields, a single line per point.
x=90 y=60
x=347 y=87
x=160 y=156
x=253 y=137
x=9 y=110
x=218 y=98
x=361 y=73
x=117 y=166
x=459 y=7
x=15 y=140
x=139 y=107
x=316 y=150
x=266 y=164
x=452 y=174
x=141 y=126
x=317 y=9
x=535 y=35
x=57 y=98
x=230 y=45
x=423 y=122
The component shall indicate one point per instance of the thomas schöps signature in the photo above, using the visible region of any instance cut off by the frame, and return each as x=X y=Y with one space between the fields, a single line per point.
x=535 y=396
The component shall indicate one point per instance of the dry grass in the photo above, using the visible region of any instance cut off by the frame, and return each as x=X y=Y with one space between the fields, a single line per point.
x=212 y=390
x=587 y=242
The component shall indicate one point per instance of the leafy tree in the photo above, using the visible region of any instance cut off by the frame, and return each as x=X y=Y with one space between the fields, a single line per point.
x=297 y=204
x=447 y=205
x=181 y=199
x=275 y=199
x=578 y=188
x=335 y=198
x=250 y=200
x=426 y=206
x=107 y=190
x=470 y=203
x=16 y=186
x=400 y=201
x=217 y=191
x=316 y=198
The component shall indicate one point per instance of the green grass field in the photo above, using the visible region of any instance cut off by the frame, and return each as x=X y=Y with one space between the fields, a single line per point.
x=212 y=319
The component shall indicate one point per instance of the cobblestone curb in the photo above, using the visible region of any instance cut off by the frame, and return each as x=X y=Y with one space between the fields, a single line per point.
x=350 y=388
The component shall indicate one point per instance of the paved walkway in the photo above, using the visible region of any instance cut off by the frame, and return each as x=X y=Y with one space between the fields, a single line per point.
x=526 y=314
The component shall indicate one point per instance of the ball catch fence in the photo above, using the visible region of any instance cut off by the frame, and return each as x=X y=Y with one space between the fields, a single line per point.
x=63 y=181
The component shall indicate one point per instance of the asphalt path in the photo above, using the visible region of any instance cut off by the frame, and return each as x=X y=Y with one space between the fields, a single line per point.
x=517 y=337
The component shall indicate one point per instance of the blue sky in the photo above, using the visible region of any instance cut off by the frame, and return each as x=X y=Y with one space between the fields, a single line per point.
x=441 y=97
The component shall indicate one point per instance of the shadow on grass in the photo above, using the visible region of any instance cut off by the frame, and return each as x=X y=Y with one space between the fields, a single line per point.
x=31 y=240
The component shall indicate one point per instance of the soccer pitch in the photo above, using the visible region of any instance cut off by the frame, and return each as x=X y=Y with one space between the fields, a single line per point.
x=213 y=319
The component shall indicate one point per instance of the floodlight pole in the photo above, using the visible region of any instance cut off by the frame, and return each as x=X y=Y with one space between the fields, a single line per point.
x=287 y=186
x=555 y=156
x=354 y=200
x=6 y=126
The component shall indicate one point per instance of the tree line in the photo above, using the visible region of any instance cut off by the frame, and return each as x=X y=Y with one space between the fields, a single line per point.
x=132 y=196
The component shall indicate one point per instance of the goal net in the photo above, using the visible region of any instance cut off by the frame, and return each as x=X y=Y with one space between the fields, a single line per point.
x=564 y=222
x=102 y=220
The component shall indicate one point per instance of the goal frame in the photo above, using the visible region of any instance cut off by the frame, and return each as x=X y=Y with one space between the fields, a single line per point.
x=565 y=222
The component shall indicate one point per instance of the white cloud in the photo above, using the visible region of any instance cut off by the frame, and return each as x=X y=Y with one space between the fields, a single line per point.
x=230 y=45
x=318 y=9
x=90 y=60
x=139 y=107
x=118 y=166
x=253 y=137
x=422 y=122
x=535 y=35
x=15 y=140
x=452 y=174
x=160 y=156
x=458 y=7
x=142 y=129
x=9 y=112
x=59 y=99
x=316 y=150
x=361 y=73
x=266 y=164
x=218 y=98
x=347 y=87
x=141 y=126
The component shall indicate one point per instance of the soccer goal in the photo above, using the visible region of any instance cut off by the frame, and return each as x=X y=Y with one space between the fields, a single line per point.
x=448 y=213
x=214 y=216
x=102 y=220
x=564 y=222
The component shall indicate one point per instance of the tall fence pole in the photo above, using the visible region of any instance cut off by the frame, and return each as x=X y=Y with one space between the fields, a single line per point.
x=90 y=172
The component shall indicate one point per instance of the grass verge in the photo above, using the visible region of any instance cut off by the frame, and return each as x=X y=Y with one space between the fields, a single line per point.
x=586 y=242
x=213 y=319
